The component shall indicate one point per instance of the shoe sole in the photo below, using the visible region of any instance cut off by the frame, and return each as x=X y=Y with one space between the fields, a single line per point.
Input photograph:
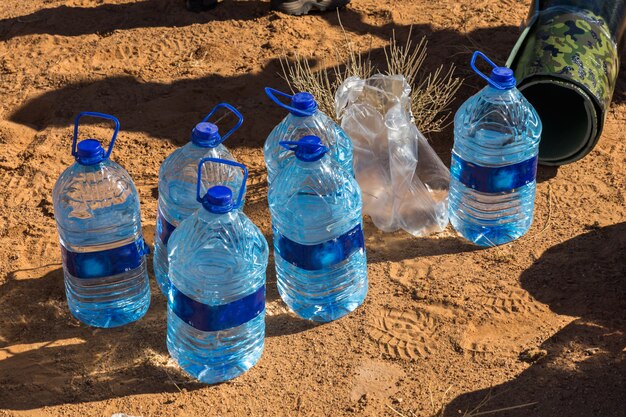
x=300 y=7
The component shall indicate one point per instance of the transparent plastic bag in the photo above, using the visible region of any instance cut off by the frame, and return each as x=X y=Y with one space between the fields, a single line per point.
x=403 y=181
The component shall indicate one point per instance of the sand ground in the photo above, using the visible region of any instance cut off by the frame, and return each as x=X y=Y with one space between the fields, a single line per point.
x=540 y=321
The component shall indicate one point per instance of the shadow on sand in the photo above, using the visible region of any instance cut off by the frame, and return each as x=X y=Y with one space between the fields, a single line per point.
x=584 y=371
x=49 y=358
x=104 y=19
x=170 y=110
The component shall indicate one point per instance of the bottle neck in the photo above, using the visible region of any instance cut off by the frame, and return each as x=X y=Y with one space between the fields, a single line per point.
x=303 y=117
x=489 y=89
x=92 y=167
x=209 y=217
x=313 y=165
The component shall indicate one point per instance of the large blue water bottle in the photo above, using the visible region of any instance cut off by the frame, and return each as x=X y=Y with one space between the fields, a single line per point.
x=178 y=179
x=494 y=161
x=96 y=208
x=304 y=119
x=216 y=308
x=319 y=247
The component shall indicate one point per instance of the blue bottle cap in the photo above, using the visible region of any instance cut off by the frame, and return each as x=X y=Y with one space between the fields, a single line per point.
x=308 y=148
x=206 y=135
x=503 y=77
x=89 y=152
x=219 y=199
x=305 y=102
x=300 y=104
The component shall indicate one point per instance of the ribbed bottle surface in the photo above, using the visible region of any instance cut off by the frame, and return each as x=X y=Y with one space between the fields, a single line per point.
x=178 y=177
x=493 y=170
x=216 y=308
x=96 y=208
x=319 y=250
x=292 y=128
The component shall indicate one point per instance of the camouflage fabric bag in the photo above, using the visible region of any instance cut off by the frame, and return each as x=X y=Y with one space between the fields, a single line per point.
x=566 y=64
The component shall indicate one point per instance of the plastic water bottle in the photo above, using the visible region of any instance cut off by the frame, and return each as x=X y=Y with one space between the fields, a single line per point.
x=319 y=247
x=304 y=119
x=178 y=179
x=216 y=303
x=494 y=161
x=96 y=207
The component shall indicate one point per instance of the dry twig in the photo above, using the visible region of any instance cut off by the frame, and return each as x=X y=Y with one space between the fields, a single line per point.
x=395 y=411
x=431 y=93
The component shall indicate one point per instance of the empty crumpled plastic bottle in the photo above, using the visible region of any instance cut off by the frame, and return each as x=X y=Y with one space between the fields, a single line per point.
x=403 y=181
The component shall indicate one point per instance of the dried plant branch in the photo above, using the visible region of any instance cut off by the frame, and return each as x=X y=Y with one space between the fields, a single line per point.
x=430 y=100
x=405 y=60
x=431 y=93
x=323 y=82
x=500 y=410
x=301 y=77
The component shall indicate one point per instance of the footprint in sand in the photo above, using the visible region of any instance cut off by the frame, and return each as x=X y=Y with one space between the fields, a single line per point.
x=476 y=350
x=511 y=301
x=20 y=186
x=407 y=272
x=481 y=342
x=404 y=334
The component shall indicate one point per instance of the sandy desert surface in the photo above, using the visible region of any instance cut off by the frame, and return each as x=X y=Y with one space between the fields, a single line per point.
x=538 y=323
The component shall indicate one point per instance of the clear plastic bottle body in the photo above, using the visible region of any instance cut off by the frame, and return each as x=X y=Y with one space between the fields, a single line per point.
x=294 y=127
x=96 y=208
x=177 y=190
x=316 y=212
x=219 y=261
x=493 y=170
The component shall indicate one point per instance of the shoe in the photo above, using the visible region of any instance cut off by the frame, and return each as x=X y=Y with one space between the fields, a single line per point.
x=299 y=7
x=200 y=5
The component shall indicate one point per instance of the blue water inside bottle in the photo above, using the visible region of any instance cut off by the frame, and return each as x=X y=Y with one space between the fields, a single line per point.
x=304 y=119
x=494 y=161
x=96 y=208
x=216 y=303
x=178 y=179
x=319 y=248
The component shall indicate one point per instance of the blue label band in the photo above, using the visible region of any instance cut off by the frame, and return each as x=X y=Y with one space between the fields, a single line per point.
x=214 y=318
x=495 y=179
x=322 y=255
x=104 y=263
x=163 y=227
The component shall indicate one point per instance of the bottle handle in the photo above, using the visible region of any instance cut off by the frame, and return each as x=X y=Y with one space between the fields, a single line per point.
x=242 y=189
x=475 y=56
x=271 y=93
x=102 y=116
x=289 y=145
x=233 y=111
